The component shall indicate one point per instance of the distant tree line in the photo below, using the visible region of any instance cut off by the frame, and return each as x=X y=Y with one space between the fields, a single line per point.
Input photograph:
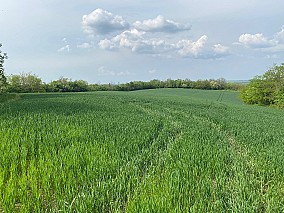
x=267 y=89
x=31 y=83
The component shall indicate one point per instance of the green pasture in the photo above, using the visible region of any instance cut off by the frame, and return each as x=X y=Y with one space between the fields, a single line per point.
x=163 y=150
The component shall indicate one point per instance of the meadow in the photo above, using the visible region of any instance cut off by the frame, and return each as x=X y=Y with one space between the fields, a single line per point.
x=163 y=150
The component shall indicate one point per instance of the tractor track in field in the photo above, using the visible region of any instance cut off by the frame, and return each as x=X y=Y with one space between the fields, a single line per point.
x=233 y=143
x=158 y=155
x=162 y=115
x=240 y=155
x=239 y=150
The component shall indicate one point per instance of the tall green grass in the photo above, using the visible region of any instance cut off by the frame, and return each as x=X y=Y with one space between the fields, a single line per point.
x=167 y=150
x=4 y=97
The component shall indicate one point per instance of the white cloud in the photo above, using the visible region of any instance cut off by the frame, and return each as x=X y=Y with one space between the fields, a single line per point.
x=66 y=48
x=191 y=48
x=129 y=39
x=137 y=42
x=258 y=41
x=100 y=22
x=220 y=51
x=160 y=24
x=106 y=44
x=255 y=41
x=141 y=39
x=279 y=37
x=134 y=40
x=85 y=45
x=152 y=46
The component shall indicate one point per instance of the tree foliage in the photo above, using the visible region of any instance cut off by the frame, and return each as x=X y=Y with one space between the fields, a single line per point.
x=3 y=80
x=67 y=85
x=30 y=83
x=267 y=89
x=25 y=83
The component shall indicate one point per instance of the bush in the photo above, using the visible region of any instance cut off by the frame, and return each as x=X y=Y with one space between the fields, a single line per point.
x=267 y=89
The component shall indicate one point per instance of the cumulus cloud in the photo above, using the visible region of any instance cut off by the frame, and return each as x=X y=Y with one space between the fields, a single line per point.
x=191 y=48
x=160 y=24
x=134 y=40
x=218 y=48
x=220 y=51
x=129 y=39
x=147 y=37
x=259 y=41
x=279 y=37
x=255 y=41
x=101 y=22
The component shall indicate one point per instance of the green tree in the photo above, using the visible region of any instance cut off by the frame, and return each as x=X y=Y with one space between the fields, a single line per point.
x=267 y=89
x=202 y=84
x=67 y=85
x=60 y=85
x=26 y=83
x=3 y=80
x=79 y=86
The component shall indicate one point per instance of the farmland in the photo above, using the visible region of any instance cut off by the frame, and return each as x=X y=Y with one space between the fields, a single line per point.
x=164 y=150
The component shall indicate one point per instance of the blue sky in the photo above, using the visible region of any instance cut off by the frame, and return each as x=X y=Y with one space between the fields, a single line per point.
x=119 y=41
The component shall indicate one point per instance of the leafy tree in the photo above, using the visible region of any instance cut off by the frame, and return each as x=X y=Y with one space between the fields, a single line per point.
x=3 y=80
x=202 y=84
x=25 y=82
x=66 y=85
x=267 y=89
x=155 y=83
x=78 y=86
x=60 y=85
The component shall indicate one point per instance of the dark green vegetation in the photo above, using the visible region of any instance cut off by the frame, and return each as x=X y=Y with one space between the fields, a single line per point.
x=166 y=150
x=267 y=89
x=8 y=97
x=30 y=83
x=3 y=81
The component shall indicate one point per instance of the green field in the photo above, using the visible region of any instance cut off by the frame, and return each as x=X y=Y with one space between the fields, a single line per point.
x=165 y=150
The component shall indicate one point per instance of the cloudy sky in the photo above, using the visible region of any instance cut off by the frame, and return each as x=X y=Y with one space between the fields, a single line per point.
x=119 y=41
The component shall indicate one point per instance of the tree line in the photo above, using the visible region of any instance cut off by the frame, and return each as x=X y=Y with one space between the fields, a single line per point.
x=267 y=89
x=31 y=83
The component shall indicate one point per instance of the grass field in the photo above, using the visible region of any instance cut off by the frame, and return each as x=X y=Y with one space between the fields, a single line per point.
x=165 y=150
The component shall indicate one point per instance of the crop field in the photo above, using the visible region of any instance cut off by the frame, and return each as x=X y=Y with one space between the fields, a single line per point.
x=164 y=150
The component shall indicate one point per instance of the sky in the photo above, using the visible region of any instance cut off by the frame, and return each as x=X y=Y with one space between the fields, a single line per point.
x=103 y=41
